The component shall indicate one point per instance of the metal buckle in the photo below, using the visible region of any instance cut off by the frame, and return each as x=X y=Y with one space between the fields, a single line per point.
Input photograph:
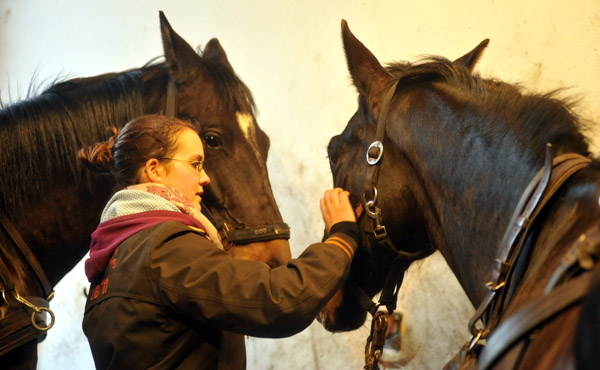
x=380 y=232
x=372 y=160
x=494 y=287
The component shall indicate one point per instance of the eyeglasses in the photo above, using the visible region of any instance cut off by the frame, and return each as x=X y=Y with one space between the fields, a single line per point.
x=198 y=165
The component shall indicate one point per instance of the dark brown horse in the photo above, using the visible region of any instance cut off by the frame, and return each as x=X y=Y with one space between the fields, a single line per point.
x=458 y=159
x=54 y=204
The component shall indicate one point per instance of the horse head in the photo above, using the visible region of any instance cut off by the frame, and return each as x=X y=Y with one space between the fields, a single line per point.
x=40 y=136
x=239 y=197
x=397 y=181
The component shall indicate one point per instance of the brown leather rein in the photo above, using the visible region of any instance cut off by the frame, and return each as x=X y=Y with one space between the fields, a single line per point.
x=239 y=234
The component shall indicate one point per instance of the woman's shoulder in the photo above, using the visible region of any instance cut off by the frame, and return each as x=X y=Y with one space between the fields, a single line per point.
x=170 y=230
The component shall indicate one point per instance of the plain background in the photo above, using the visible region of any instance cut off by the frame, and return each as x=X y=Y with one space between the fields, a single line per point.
x=289 y=53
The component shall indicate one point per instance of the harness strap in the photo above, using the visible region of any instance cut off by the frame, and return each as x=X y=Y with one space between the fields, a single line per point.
x=532 y=316
x=584 y=254
x=12 y=232
x=544 y=185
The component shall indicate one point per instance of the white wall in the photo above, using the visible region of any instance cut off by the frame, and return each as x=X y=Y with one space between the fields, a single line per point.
x=289 y=53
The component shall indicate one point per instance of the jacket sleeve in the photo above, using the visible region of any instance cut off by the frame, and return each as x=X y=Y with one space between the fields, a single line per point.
x=206 y=285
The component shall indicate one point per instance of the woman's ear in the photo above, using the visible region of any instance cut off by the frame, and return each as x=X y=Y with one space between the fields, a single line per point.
x=152 y=170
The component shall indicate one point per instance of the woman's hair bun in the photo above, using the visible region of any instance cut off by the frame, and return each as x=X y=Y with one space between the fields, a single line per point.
x=99 y=157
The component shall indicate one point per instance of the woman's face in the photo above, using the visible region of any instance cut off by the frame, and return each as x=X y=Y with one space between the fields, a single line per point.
x=181 y=175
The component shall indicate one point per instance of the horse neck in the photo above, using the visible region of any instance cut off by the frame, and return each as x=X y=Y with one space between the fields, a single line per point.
x=55 y=205
x=469 y=200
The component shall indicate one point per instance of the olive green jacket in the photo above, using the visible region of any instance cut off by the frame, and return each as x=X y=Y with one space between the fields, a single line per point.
x=168 y=293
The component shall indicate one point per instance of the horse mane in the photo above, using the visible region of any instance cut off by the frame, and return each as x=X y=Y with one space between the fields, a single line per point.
x=40 y=136
x=497 y=109
x=495 y=129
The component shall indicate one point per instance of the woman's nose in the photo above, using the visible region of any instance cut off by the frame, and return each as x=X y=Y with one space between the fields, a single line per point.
x=204 y=179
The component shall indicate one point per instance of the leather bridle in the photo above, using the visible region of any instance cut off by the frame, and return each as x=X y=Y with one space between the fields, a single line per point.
x=239 y=234
x=374 y=225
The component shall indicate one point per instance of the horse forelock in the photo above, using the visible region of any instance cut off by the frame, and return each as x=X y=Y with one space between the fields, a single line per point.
x=40 y=136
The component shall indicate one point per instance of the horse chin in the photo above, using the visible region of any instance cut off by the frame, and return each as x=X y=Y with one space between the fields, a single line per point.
x=342 y=314
x=274 y=253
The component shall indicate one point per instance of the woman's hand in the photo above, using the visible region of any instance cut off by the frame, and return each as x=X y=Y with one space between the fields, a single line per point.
x=335 y=207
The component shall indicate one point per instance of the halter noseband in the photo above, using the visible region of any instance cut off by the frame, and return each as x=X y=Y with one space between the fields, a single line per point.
x=239 y=234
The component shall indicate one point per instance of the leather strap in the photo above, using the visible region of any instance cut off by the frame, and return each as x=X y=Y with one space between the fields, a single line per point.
x=279 y=230
x=18 y=241
x=532 y=316
x=544 y=185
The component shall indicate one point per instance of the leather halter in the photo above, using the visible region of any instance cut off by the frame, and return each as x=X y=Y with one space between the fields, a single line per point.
x=240 y=234
x=401 y=260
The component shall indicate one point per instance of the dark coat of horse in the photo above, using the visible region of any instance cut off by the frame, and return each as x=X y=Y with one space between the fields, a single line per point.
x=459 y=151
x=55 y=203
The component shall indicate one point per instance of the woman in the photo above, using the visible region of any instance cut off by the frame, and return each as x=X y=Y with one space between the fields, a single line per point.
x=162 y=289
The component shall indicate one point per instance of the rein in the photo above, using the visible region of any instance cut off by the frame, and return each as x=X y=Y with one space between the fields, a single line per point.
x=240 y=234
x=23 y=318
x=401 y=259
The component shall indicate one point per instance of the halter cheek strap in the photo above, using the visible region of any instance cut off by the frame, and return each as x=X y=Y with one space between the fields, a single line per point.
x=401 y=259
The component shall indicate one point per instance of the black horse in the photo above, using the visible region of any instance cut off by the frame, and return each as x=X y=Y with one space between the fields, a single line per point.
x=53 y=204
x=499 y=181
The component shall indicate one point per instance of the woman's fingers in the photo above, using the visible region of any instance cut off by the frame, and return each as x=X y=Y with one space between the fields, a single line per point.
x=335 y=207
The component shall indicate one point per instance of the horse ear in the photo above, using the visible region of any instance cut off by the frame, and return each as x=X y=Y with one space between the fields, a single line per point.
x=469 y=59
x=214 y=51
x=178 y=53
x=369 y=76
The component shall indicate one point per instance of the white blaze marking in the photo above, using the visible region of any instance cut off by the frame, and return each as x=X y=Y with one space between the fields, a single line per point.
x=246 y=123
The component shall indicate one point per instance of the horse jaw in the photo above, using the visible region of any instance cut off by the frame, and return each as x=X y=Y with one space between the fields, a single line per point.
x=274 y=253
x=342 y=313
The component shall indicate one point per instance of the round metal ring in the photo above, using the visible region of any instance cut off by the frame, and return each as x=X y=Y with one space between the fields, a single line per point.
x=370 y=209
x=40 y=328
x=370 y=204
x=373 y=160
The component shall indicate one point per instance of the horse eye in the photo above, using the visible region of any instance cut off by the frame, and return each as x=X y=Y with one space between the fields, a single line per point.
x=213 y=141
